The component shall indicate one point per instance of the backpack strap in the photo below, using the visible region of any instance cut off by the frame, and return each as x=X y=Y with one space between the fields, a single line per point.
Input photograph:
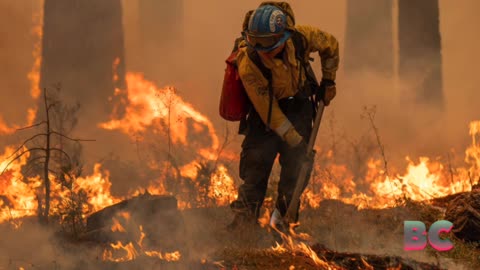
x=300 y=44
x=267 y=73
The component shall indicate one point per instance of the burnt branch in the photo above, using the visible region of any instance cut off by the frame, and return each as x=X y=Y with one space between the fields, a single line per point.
x=72 y=139
x=20 y=155
x=370 y=115
x=33 y=160
x=61 y=151
x=225 y=143
x=32 y=126
x=24 y=143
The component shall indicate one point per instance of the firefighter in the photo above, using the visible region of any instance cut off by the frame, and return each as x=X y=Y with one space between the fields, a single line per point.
x=280 y=121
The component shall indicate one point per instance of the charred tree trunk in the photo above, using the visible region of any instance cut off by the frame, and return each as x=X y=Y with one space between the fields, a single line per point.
x=81 y=42
x=161 y=32
x=420 y=64
x=369 y=37
x=46 y=167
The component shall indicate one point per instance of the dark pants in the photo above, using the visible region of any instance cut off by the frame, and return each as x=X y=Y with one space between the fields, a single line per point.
x=259 y=150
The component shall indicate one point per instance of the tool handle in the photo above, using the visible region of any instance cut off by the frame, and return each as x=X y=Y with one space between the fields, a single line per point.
x=290 y=215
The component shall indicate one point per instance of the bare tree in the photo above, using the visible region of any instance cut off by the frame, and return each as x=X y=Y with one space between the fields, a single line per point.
x=47 y=148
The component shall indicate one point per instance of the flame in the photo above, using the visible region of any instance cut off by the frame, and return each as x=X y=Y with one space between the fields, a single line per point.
x=150 y=105
x=97 y=187
x=424 y=179
x=115 y=65
x=264 y=220
x=169 y=257
x=117 y=227
x=472 y=154
x=163 y=112
x=117 y=224
x=131 y=251
x=33 y=75
x=291 y=244
x=17 y=195
x=222 y=187
x=190 y=170
x=4 y=128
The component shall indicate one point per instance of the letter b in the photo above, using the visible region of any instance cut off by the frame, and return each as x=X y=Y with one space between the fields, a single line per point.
x=415 y=235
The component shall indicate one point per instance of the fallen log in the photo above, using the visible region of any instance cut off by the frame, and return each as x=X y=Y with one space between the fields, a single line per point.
x=269 y=259
x=154 y=218
x=348 y=260
x=446 y=200
x=145 y=205
x=464 y=212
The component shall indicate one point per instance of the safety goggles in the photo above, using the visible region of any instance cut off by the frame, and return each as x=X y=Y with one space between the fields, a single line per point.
x=263 y=43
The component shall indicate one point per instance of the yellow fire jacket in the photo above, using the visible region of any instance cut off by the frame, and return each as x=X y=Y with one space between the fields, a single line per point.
x=285 y=74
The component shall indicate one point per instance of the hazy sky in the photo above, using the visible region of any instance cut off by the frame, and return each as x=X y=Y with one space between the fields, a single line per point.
x=209 y=30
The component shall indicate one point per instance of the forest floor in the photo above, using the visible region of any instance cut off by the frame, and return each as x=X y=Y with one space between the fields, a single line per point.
x=341 y=236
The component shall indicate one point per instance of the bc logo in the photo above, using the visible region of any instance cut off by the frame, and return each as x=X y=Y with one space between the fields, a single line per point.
x=415 y=235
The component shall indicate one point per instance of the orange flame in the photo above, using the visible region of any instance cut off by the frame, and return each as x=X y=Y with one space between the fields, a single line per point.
x=424 y=179
x=17 y=197
x=163 y=111
x=290 y=244
x=472 y=154
x=222 y=187
x=131 y=251
x=34 y=74
x=18 y=194
x=150 y=105
x=116 y=226
x=97 y=187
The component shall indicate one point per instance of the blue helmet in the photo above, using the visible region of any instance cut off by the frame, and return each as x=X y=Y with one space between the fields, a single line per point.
x=267 y=28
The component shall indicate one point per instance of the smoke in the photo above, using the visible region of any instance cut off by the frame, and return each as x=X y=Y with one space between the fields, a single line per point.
x=33 y=246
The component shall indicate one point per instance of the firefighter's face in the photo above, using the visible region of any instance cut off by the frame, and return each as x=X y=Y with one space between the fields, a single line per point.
x=273 y=53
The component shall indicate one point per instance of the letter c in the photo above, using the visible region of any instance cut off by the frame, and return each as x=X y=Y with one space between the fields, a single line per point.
x=434 y=235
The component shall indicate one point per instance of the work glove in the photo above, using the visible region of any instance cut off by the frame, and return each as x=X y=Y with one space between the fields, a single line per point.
x=327 y=91
x=292 y=137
